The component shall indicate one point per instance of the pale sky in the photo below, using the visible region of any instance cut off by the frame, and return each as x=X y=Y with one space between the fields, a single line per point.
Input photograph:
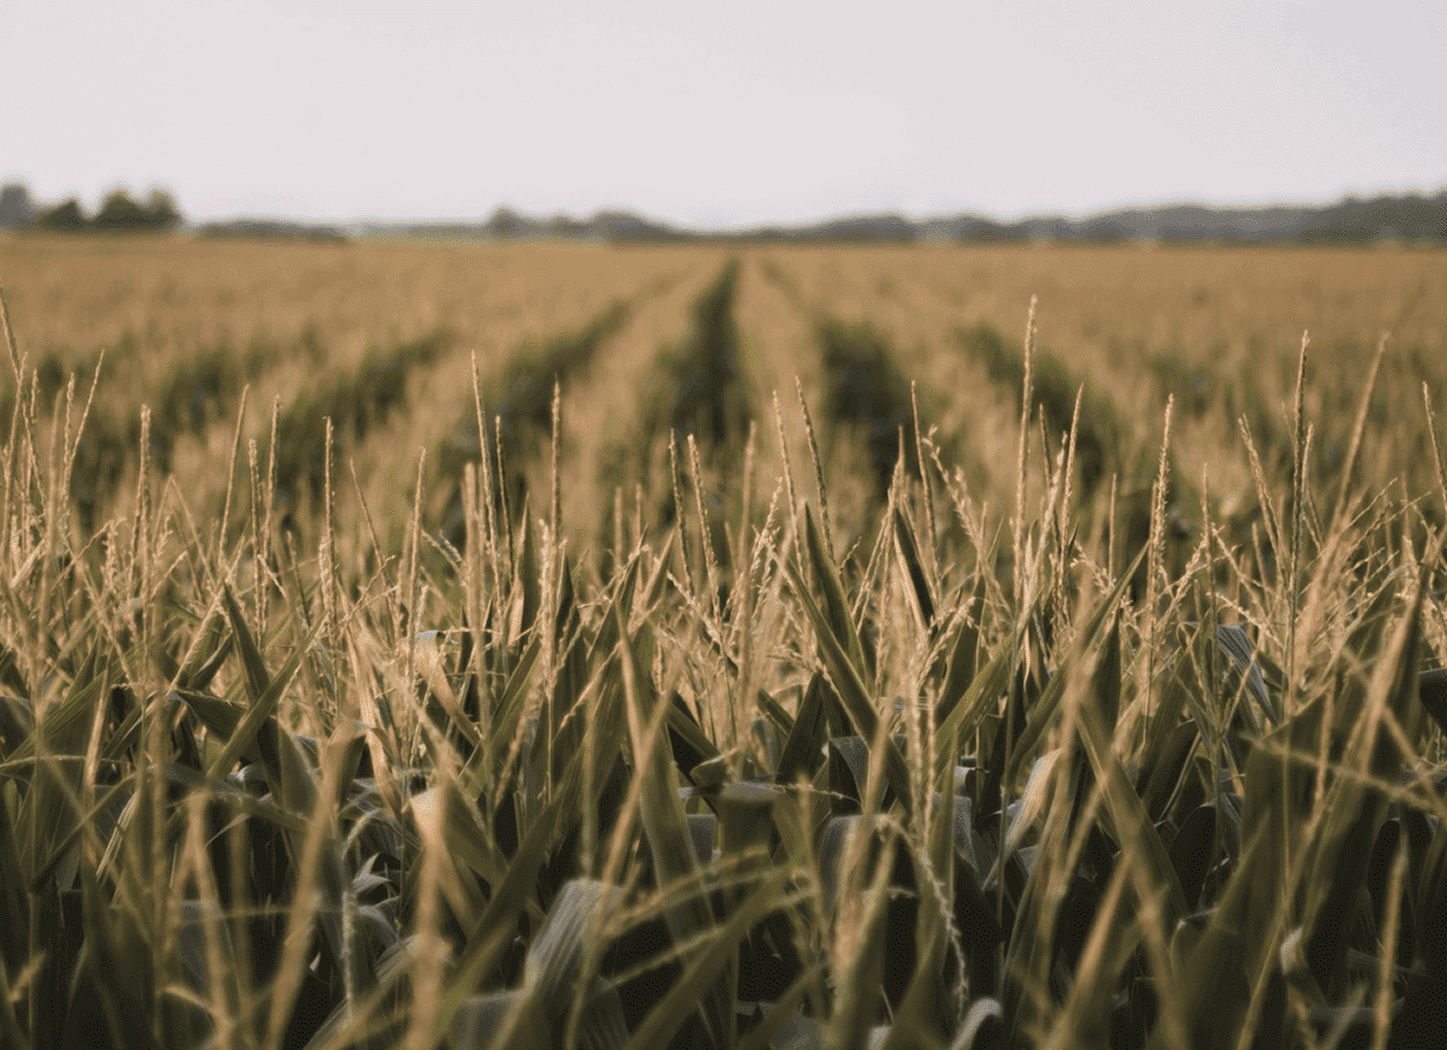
x=720 y=113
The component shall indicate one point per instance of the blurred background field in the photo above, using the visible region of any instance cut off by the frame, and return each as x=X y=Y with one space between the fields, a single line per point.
x=385 y=333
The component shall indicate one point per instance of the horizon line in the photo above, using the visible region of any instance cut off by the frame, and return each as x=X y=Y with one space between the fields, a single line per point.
x=745 y=226
x=749 y=226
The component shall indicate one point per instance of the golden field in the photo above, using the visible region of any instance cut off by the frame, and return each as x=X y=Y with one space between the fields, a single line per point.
x=685 y=711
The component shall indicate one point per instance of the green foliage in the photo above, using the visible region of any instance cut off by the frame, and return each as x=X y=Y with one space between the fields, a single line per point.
x=523 y=400
x=197 y=392
x=700 y=391
x=865 y=389
x=122 y=214
x=519 y=411
x=520 y=404
x=1097 y=438
x=118 y=213
x=356 y=403
x=706 y=392
x=65 y=217
x=1194 y=385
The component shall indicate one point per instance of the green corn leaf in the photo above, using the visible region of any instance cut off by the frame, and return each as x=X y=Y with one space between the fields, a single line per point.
x=844 y=673
x=65 y=725
x=779 y=718
x=1099 y=633
x=527 y=584
x=835 y=603
x=556 y=956
x=208 y=657
x=691 y=746
x=264 y=702
x=983 y=694
x=782 y=1027
x=1432 y=689
x=1168 y=764
x=1132 y=823
x=1114 y=936
x=494 y=929
x=1216 y=975
x=716 y=954
x=252 y=663
x=16 y=724
x=1355 y=811
x=14 y=908
x=666 y=831
x=803 y=748
x=908 y=549
x=116 y=980
x=1193 y=850
x=480 y=1018
x=964 y=655
x=510 y=707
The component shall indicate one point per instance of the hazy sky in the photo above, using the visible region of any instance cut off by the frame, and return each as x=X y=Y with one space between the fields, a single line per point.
x=720 y=113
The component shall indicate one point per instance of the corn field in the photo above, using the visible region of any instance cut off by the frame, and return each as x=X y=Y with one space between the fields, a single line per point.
x=571 y=647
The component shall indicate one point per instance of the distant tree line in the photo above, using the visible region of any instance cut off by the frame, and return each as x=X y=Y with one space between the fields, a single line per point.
x=119 y=212
x=1407 y=219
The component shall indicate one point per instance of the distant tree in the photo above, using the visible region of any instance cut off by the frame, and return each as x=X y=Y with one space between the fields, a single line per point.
x=65 y=217
x=121 y=213
x=505 y=224
x=17 y=210
x=162 y=209
x=1104 y=231
x=987 y=231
